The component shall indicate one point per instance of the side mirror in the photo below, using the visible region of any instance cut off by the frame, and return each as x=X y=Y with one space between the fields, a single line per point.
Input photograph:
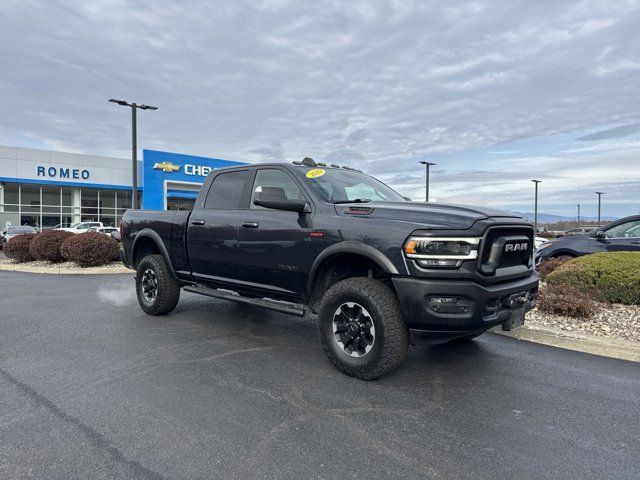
x=290 y=205
x=599 y=234
x=407 y=199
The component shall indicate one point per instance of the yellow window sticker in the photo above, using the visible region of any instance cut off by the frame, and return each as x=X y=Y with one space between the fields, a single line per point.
x=315 y=173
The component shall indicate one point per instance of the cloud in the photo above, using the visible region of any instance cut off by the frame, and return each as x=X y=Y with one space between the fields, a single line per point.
x=381 y=84
x=617 y=132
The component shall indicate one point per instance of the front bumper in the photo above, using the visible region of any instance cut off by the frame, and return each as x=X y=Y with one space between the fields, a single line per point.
x=437 y=310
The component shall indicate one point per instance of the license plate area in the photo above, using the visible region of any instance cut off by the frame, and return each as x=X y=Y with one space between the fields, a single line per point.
x=516 y=319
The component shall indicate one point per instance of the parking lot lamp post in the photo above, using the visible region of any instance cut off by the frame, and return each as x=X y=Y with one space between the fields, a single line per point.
x=134 y=145
x=578 y=214
x=599 y=205
x=427 y=165
x=535 y=208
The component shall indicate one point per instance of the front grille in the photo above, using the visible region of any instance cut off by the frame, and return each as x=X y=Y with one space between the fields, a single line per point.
x=495 y=253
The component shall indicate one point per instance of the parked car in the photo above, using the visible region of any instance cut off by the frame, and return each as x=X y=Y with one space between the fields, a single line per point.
x=537 y=241
x=378 y=270
x=106 y=230
x=10 y=232
x=81 y=227
x=623 y=234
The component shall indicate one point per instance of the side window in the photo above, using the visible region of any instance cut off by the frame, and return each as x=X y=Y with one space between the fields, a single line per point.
x=226 y=190
x=625 y=230
x=276 y=179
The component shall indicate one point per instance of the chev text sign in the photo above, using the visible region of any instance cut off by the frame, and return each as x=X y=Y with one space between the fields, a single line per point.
x=63 y=173
x=197 y=170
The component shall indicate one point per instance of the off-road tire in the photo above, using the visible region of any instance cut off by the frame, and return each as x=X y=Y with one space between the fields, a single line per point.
x=391 y=339
x=168 y=289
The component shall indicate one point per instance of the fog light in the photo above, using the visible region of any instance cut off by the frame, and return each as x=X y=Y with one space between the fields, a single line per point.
x=434 y=262
x=444 y=305
x=444 y=299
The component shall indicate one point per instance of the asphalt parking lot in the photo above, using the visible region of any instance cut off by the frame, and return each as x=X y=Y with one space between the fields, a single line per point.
x=93 y=388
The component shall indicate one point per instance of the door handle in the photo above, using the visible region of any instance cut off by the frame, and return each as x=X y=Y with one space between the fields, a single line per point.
x=250 y=224
x=197 y=222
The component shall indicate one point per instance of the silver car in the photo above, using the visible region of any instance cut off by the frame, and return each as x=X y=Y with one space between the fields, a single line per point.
x=10 y=232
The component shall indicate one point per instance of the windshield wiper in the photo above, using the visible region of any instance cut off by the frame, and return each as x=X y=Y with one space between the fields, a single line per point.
x=356 y=200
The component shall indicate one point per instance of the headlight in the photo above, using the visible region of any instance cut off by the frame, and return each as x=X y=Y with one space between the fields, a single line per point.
x=441 y=252
x=543 y=245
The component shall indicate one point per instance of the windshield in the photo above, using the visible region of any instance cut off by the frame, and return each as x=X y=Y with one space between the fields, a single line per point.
x=74 y=225
x=339 y=185
x=13 y=230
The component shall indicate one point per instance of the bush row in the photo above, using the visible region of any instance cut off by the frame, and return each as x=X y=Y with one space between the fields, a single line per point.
x=574 y=287
x=612 y=277
x=85 y=249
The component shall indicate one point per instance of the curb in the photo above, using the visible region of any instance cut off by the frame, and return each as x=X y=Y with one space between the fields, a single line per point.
x=579 y=342
x=64 y=271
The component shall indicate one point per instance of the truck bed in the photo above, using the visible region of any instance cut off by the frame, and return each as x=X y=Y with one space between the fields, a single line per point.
x=170 y=226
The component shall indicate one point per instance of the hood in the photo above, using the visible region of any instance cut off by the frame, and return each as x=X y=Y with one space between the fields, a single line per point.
x=426 y=215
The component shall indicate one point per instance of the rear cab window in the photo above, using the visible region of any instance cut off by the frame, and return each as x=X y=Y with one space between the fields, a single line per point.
x=227 y=190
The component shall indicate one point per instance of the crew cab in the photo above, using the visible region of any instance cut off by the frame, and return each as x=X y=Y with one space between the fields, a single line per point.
x=375 y=270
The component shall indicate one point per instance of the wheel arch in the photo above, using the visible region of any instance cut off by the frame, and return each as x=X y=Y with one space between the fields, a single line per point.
x=350 y=255
x=148 y=242
x=564 y=252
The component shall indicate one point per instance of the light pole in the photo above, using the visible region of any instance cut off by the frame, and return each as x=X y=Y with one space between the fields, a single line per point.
x=578 y=214
x=535 y=208
x=427 y=165
x=599 y=205
x=134 y=145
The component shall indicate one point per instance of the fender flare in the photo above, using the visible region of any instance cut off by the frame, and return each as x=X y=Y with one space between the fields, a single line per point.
x=357 y=248
x=148 y=233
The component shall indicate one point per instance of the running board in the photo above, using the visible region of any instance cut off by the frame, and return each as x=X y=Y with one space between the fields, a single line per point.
x=283 y=307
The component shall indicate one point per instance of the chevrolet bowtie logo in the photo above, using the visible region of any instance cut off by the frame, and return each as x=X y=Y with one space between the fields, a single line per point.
x=166 y=167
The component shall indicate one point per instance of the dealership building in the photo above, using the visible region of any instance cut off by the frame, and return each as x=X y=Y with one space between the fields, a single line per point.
x=44 y=188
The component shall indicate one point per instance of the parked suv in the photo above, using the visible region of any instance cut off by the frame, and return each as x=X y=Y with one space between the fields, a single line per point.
x=621 y=235
x=377 y=270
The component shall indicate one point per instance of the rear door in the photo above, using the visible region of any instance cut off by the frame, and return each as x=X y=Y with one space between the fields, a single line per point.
x=273 y=243
x=212 y=232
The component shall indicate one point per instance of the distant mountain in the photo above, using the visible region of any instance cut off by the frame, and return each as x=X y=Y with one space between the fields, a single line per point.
x=548 y=218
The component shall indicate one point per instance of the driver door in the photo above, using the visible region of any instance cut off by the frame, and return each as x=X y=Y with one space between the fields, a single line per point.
x=272 y=244
x=622 y=237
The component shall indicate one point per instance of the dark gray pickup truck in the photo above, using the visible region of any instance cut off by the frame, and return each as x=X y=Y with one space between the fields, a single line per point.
x=377 y=270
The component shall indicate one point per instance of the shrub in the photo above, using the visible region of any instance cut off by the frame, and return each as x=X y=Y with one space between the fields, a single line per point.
x=46 y=245
x=612 y=277
x=566 y=300
x=549 y=265
x=67 y=248
x=18 y=248
x=92 y=249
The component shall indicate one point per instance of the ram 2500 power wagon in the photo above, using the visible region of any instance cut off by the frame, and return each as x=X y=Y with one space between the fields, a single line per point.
x=376 y=270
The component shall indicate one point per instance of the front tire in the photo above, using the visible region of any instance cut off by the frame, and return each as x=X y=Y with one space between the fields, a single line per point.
x=361 y=328
x=158 y=292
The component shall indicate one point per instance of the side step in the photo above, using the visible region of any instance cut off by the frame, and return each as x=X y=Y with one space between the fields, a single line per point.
x=284 y=307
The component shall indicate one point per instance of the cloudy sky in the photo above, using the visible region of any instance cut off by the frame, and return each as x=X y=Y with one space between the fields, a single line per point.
x=495 y=92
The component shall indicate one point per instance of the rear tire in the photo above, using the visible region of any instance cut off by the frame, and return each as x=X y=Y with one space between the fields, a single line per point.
x=158 y=292
x=361 y=328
